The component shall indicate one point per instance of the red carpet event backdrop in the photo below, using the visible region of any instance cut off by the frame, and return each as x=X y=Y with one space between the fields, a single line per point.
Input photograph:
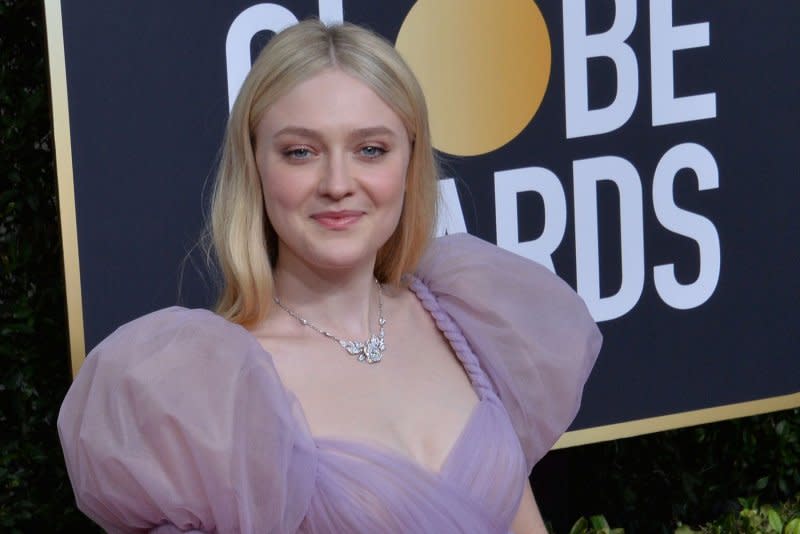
x=645 y=151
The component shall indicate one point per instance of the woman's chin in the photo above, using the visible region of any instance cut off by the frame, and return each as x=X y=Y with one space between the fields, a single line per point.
x=343 y=258
x=345 y=253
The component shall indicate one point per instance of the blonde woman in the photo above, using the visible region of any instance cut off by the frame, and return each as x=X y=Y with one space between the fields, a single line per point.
x=356 y=375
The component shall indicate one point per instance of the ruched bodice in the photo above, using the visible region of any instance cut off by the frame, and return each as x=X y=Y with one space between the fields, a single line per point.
x=179 y=421
x=477 y=488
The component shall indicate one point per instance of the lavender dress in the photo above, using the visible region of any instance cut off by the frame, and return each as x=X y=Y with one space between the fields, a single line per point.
x=178 y=421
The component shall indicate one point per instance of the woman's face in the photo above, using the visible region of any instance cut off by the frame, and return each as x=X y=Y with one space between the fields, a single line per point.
x=332 y=157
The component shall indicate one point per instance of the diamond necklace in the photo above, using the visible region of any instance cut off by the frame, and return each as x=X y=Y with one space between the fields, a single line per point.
x=370 y=351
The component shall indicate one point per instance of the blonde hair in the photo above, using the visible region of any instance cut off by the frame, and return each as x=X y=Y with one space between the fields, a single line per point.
x=243 y=240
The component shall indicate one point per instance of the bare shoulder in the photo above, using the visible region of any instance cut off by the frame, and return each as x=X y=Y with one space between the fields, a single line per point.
x=414 y=336
x=405 y=308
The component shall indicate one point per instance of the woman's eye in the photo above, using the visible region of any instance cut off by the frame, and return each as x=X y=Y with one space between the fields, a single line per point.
x=372 y=151
x=298 y=153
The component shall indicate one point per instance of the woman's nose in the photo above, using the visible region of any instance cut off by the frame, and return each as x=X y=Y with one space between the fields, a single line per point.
x=336 y=180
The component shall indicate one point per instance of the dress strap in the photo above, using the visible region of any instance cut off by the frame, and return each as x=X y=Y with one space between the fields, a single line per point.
x=454 y=335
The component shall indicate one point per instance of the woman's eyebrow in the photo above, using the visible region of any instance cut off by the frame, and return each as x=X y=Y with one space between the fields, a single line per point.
x=371 y=131
x=358 y=133
x=299 y=131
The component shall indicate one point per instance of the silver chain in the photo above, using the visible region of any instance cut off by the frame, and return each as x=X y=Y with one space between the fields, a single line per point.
x=369 y=351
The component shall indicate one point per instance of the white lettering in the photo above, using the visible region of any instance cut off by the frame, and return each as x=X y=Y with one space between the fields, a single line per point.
x=260 y=17
x=331 y=11
x=664 y=40
x=507 y=185
x=578 y=48
x=263 y=17
x=685 y=223
x=586 y=174
x=450 y=219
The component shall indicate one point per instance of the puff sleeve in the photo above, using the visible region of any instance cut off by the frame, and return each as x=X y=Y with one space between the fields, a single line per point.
x=178 y=422
x=532 y=334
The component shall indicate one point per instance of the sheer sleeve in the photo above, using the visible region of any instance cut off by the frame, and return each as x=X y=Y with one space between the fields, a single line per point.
x=178 y=421
x=532 y=333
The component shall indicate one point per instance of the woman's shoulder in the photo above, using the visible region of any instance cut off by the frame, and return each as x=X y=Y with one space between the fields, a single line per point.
x=172 y=418
x=532 y=334
x=465 y=272
x=178 y=321
x=177 y=337
x=464 y=254
x=177 y=360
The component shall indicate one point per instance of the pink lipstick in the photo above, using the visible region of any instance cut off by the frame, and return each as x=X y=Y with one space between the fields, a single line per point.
x=337 y=220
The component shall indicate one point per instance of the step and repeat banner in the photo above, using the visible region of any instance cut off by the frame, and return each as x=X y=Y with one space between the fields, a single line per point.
x=645 y=151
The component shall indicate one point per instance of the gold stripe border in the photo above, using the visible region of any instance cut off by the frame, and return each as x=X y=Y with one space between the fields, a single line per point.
x=677 y=420
x=66 y=185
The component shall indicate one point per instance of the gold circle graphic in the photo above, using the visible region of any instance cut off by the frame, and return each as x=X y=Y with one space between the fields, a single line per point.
x=484 y=67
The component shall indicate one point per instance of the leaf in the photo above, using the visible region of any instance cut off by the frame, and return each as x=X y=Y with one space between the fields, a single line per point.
x=780 y=427
x=580 y=526
x=599 y=523
x=762 y=482
x=792 y=527
x=774 y=520
x=751 y=502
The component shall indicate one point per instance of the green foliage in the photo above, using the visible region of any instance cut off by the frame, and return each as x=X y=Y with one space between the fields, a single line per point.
x=754 y=519
x=691 y=475
x=749 y=519
x=596 y=524
x=35 y=495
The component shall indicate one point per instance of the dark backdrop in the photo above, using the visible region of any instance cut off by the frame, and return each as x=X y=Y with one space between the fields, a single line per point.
x=148 y=103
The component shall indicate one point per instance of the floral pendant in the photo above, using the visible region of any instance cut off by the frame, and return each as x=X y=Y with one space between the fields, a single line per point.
x=371 y=351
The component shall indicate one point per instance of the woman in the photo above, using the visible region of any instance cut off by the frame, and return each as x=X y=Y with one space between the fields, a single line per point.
x=333 y=390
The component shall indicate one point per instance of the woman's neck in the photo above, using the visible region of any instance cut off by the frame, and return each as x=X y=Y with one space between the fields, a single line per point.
x=344 y=302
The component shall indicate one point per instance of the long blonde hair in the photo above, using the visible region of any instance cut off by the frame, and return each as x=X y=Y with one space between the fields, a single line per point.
x=243 y=240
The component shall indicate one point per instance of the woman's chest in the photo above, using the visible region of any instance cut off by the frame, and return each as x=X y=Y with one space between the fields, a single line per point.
x=475 y=487
x=417 y=401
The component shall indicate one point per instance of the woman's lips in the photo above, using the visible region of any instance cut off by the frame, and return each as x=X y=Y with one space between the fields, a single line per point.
x=337 y=220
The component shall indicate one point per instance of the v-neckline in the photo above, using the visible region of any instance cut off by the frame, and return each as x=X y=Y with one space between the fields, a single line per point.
x=416 y=286
x=324 y=442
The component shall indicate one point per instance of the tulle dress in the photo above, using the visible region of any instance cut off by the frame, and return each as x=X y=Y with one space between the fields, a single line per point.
x=178 y=421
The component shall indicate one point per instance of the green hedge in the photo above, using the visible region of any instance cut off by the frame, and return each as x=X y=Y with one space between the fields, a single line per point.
x=749 y=518
x=645 y=484
x=692 y=475
x=753 y=518
x=33 y=348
